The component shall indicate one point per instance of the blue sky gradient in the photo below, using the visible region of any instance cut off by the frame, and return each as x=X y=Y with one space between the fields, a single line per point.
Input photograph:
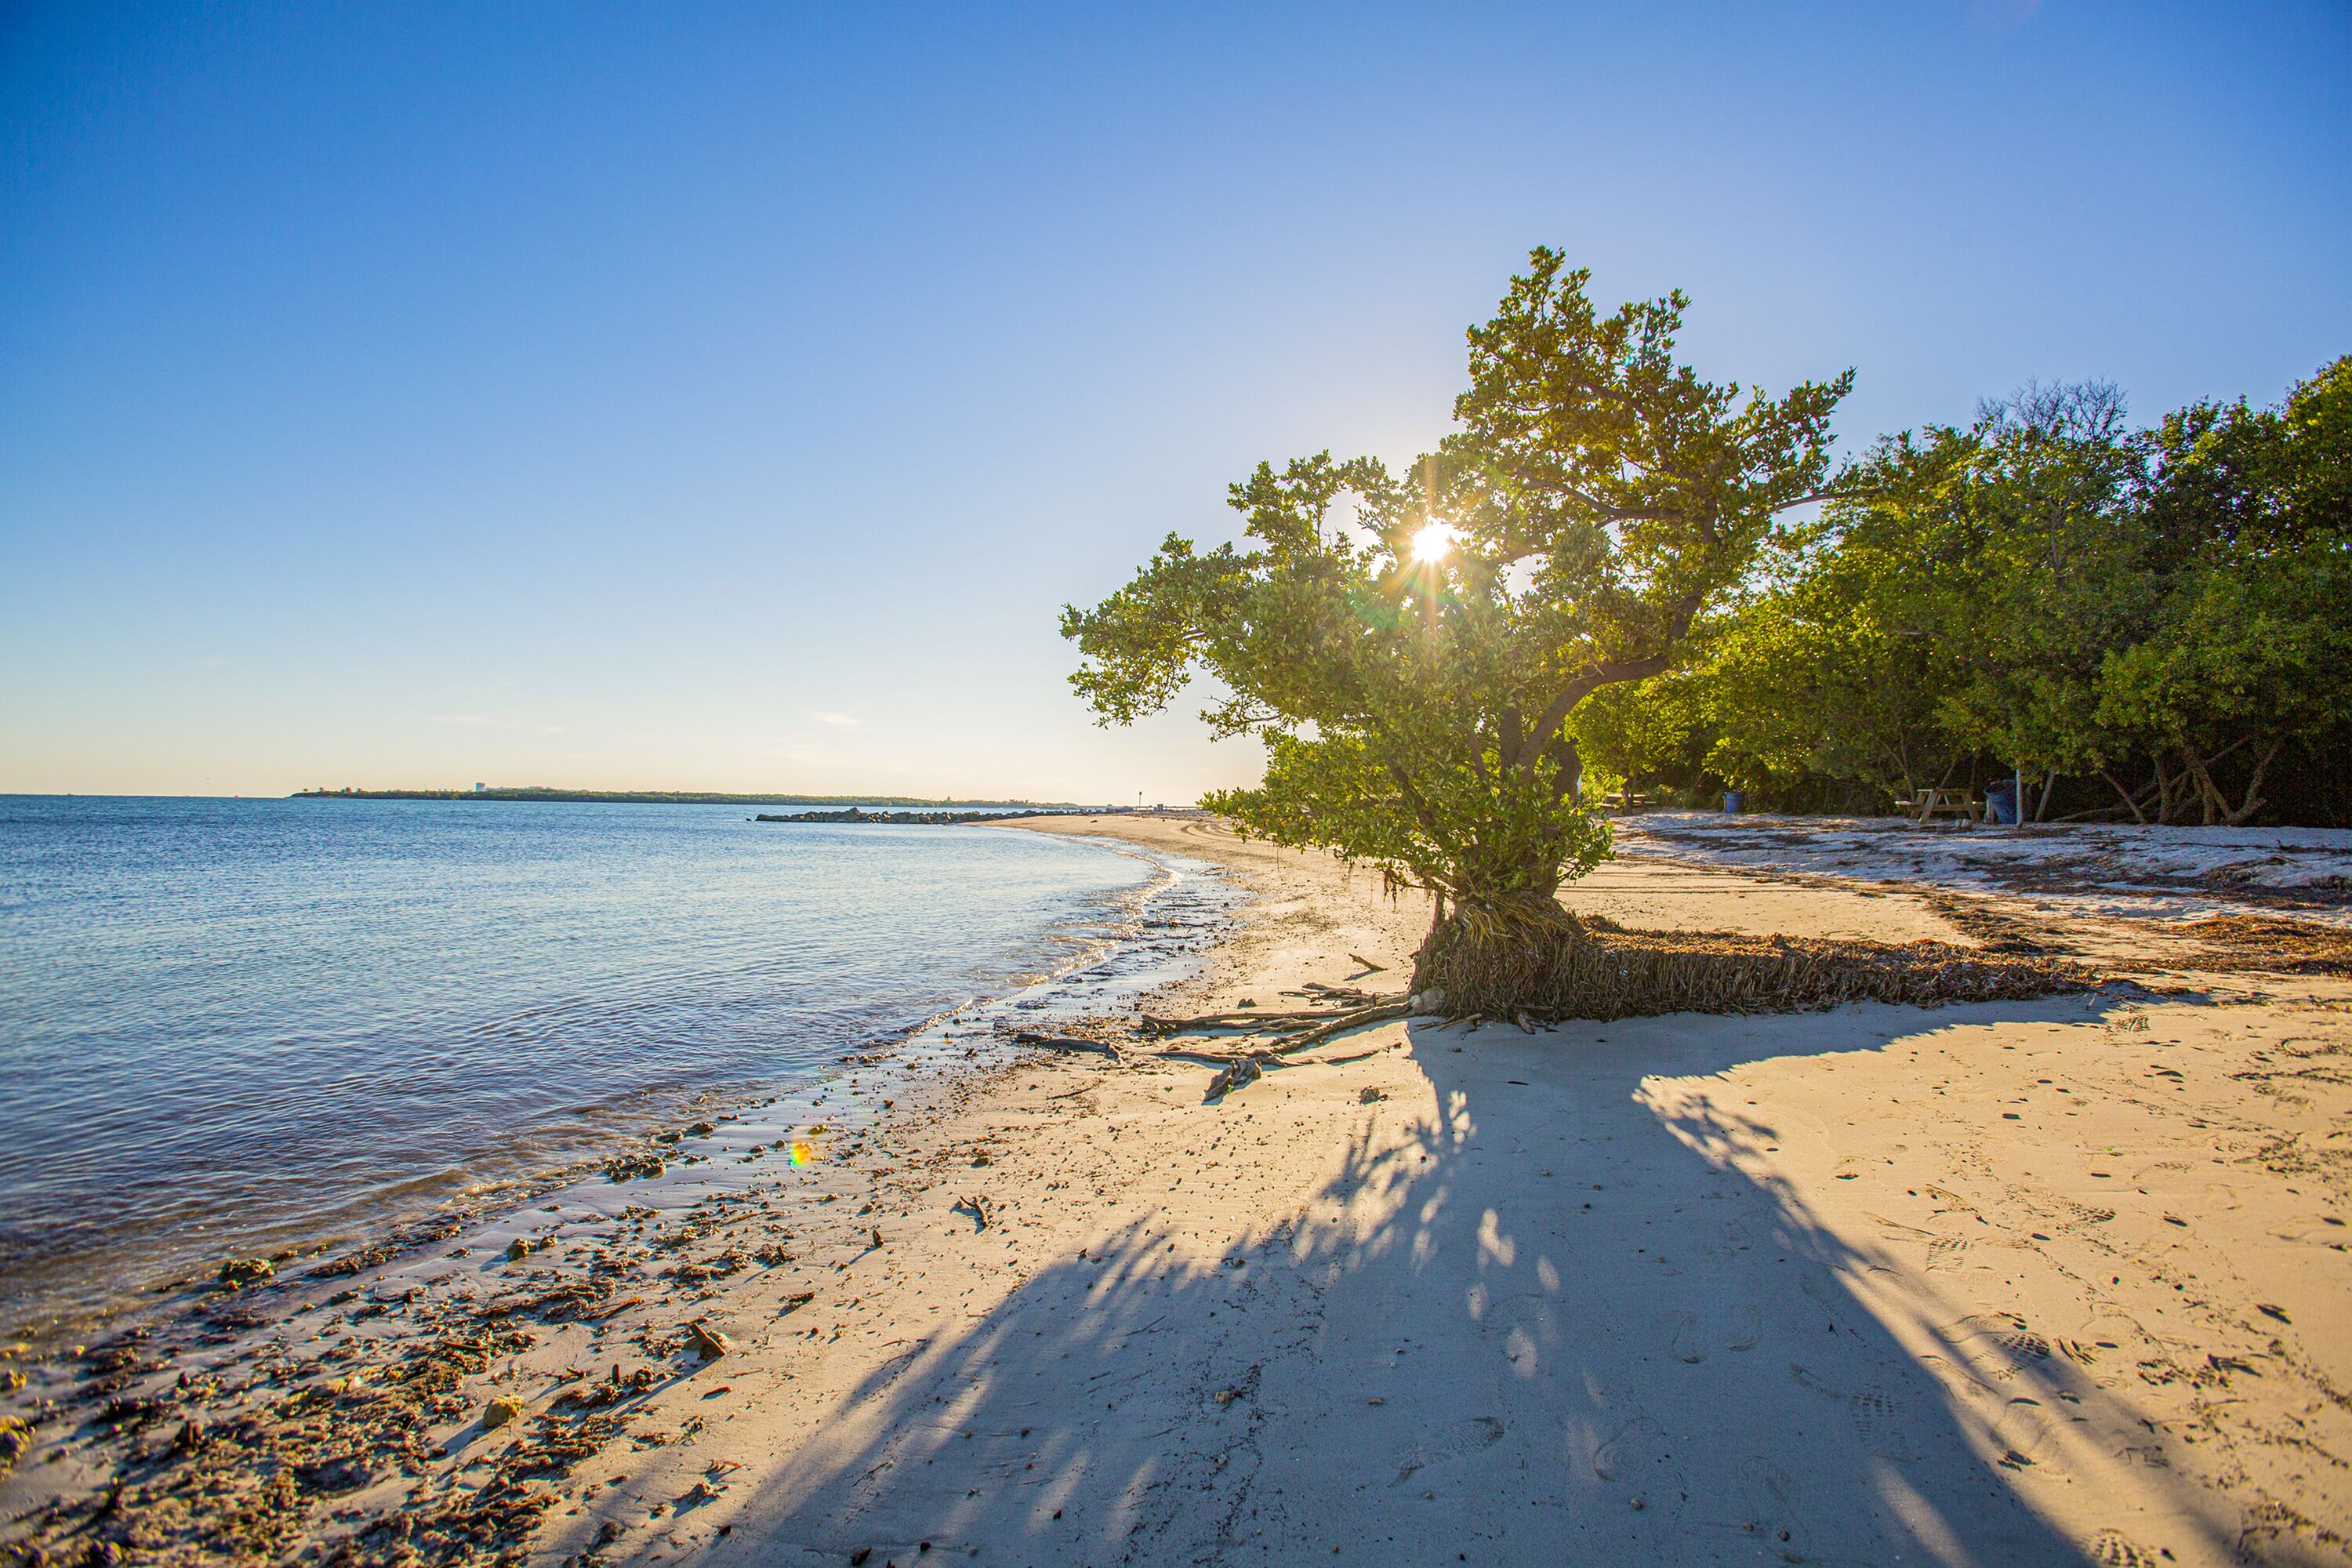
x=727 y=397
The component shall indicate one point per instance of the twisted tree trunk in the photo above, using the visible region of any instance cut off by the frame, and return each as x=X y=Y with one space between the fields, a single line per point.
x=1498 y=955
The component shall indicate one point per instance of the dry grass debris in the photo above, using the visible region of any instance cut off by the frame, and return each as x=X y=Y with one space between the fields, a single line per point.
x=1610 y=972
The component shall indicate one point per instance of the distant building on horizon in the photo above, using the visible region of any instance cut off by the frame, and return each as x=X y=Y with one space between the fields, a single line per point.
x=480 y=787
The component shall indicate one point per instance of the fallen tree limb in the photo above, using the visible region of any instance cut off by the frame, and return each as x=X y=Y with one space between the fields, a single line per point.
x=1342 y=1023
x=1322 y=995
x=1064 y=1042
x=1278 y=1018
x=1202 y=1057
x=1289 y=1018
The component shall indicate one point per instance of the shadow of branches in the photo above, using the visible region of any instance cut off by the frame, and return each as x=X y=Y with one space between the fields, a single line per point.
x=1540 y=1316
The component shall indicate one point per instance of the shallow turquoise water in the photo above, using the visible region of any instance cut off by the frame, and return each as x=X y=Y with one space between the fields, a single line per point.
x=229 y=1023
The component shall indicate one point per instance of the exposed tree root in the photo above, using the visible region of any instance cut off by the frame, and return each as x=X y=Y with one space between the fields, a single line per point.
x=1593 y=968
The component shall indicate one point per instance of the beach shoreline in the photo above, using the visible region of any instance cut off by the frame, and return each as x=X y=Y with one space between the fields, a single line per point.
x=2055 y=1282
x=241 y=1029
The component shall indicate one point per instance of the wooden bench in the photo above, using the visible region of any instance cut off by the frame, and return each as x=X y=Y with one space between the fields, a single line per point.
x=1961 y=803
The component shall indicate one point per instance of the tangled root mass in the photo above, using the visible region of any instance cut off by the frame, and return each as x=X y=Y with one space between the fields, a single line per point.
x=1586 y=967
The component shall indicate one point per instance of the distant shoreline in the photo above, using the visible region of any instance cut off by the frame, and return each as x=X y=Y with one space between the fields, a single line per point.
x=670 y=797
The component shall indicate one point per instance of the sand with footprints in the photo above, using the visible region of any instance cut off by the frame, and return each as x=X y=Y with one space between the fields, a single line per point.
x=2059 y=1281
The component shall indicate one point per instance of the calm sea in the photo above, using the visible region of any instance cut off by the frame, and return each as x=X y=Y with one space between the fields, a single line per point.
x=227 y=1024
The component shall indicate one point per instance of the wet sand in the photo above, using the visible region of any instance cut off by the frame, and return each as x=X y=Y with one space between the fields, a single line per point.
x=2059 y=1281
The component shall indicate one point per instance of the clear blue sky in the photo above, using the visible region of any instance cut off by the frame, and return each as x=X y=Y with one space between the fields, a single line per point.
x=727 y=397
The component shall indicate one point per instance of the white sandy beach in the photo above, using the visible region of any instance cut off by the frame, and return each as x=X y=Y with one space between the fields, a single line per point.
x=2040 y=1283
x=2051 y=1283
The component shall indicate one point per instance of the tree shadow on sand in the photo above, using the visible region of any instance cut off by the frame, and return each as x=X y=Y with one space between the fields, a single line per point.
x=1540 y=1317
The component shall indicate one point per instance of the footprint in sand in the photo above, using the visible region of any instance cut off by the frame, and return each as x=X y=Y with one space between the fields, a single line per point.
x=1995 y=1345
x=1634 y=1448
x=1896 y=1230
x=1736 y=1329
x=2081 y=1213
x=2024 y=1344
x=1878 y=1417
x=1949 y=1201
x=2025 y=1434
x=1948 y=1252
x=2112 y=1549
x=1449 y=1443
x=1878 y=1421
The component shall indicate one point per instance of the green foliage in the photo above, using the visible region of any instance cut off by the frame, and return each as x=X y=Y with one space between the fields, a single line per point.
x=1644 y=729
x=2043 y=589
x=1432 y=818
x=2249 y=647
x=1415 y=711
x=2050 y=590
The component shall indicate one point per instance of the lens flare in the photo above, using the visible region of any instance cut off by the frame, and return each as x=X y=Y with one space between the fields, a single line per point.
x=802 y=1150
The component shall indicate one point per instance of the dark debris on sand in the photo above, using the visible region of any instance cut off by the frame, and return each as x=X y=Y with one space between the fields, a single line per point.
x=343 y=1453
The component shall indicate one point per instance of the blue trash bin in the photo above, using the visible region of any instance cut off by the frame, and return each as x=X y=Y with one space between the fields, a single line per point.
x=2000 y=803
x=1733 y=800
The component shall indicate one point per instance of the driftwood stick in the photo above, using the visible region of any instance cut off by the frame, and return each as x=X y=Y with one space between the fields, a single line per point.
x=1241 y=1071
x=1065 y=1042
x=1232 y=1020
x=1342 y=1023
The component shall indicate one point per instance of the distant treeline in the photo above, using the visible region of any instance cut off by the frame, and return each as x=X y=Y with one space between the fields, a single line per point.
x=2149 y=623
x=933 y=818
x=663 y=797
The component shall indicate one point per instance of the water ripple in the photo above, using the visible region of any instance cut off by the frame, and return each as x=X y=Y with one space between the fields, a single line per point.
x=220 y=1017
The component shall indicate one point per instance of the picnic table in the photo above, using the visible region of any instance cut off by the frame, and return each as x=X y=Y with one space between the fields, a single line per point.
x=1961 y=803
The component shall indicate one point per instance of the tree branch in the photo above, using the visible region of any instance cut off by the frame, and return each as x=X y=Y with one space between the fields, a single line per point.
x=1606 y=672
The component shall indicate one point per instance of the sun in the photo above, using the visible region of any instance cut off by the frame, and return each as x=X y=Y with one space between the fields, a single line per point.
x=1434 y=542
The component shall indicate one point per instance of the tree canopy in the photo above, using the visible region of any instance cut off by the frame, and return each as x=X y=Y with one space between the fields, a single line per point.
x=2149 y=623
x=1411 y=647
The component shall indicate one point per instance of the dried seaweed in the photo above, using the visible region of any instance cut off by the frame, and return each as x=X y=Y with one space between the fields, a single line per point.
x=2268 y=944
